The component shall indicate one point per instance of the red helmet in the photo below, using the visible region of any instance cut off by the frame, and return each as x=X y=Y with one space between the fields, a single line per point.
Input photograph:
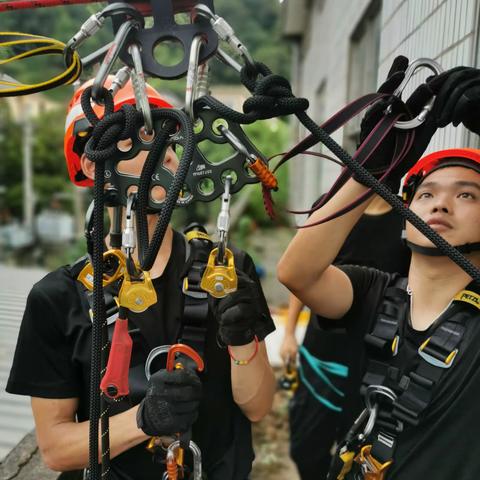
x=454 y=157
x=77 y=127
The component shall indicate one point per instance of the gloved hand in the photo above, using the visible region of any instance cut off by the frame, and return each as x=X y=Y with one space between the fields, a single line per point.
x=171 y=403
x=380 y=159
x=238 y=312
x=461 y=88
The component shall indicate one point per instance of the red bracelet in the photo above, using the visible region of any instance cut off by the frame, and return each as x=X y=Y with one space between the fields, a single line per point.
x=244 y=362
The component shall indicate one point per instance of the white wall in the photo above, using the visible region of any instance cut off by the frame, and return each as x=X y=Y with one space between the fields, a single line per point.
x=445 y=30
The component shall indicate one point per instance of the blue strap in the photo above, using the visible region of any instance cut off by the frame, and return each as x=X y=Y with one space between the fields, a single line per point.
x=321 y=368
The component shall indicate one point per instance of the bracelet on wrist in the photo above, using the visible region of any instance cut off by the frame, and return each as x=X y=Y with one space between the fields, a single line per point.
x=248 y=360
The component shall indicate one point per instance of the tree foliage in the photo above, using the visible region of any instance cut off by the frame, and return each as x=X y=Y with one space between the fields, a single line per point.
x=255 y=22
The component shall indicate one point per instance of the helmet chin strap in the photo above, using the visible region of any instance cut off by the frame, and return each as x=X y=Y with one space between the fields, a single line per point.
x=435 y=252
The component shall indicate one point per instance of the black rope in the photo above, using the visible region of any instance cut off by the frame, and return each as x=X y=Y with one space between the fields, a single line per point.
x=147 y=251
x=99 y=408
x=272 y=97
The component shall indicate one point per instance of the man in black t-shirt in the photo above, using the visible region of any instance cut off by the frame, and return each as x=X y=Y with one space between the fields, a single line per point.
x=52 y=358
x=318 y=414
x=423 y=381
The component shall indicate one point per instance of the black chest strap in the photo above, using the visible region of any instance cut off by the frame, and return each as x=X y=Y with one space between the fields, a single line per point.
x=436 y=355
x=196 y=306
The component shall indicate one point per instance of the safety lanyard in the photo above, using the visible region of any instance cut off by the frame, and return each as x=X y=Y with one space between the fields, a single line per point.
x=322 y=369
x=19 y=46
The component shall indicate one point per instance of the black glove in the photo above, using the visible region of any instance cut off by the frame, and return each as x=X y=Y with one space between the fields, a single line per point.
x=460 y=87
x=380 y=159
x=171 y=403
x=238 y=312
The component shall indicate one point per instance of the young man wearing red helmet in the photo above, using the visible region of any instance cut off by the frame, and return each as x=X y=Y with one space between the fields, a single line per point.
x=421 y=334
x=218 y=405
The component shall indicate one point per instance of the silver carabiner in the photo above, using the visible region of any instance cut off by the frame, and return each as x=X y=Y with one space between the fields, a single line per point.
x=154 y=353
x=140 y=88
x=128 y=234
x=111 y=56
x=120 y=80
x=436 y=68
x=196 y=454
x=191 y=91
x=225 y=32
x=372 y=408
x=223 y=221
x=228 y=60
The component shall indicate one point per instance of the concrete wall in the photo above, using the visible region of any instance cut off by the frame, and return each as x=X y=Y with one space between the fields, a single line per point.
x=446 y=30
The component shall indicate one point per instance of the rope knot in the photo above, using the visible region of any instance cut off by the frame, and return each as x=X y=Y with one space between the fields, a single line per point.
x=272 y=97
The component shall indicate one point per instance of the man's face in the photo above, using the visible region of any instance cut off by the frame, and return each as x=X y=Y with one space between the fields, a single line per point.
x=449 y=201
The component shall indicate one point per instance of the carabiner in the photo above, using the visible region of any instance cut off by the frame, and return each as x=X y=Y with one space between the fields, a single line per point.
x=111 y=56
x=191 y=91
x=128 y=234
x=228 y=60
x=171 y=350
x=436 y=68
x=171 y=461
x=185 y=350
x=140 y=88
x=258 y=165
x=223 y=221
x=225 y=32
x=120 y=80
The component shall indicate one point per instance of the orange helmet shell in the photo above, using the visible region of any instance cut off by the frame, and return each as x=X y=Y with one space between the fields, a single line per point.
x=77 y=127
x=453 y=157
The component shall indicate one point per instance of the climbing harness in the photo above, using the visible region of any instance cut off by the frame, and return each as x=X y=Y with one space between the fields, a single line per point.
x=396 y=398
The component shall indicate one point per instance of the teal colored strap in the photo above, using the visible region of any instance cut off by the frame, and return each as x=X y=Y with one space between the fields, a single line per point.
x=321 y=368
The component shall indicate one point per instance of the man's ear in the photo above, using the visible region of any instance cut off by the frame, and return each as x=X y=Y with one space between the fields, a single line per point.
x=88 y=167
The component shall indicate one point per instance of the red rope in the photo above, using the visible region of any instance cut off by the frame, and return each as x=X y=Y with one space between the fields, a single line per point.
x=25 y=4
x=144 y=7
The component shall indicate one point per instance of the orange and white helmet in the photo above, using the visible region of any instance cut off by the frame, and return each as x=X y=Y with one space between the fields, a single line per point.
x=78 y=128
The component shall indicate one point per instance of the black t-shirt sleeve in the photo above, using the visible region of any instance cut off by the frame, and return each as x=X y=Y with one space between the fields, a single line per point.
x=265 y=324
x=42 y=365
x=368 y=287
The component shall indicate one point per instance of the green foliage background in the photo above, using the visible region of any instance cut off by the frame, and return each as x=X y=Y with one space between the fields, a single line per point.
x=256 y=23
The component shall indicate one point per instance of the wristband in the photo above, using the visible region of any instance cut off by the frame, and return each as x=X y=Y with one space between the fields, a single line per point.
x=244 y=362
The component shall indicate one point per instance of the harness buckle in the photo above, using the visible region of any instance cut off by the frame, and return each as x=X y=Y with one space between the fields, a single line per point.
x=436 y=362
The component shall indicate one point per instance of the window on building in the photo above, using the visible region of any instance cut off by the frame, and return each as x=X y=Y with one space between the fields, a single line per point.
x=363 y=67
